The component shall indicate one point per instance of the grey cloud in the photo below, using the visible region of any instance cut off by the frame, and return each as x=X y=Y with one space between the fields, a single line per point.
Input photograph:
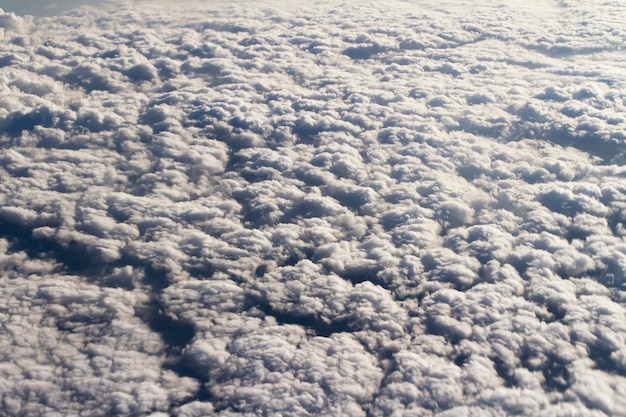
x=361 y=210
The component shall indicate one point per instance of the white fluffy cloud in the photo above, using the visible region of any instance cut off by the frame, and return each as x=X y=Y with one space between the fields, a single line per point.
x=358 y=209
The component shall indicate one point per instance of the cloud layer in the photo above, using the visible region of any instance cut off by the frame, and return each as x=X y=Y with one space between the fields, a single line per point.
x=355 y=209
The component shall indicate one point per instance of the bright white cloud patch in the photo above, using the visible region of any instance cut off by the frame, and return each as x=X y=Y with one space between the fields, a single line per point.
x=356 y=209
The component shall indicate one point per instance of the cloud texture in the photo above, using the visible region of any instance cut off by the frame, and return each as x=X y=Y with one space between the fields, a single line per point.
x=342 y=209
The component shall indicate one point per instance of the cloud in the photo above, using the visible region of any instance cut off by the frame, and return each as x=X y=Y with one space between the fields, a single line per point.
x=365 y=210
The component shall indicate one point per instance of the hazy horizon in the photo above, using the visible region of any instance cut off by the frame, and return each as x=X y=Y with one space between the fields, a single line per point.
x=48 y=8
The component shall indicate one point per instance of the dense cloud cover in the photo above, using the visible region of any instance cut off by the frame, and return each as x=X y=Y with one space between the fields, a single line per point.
x=338 y=210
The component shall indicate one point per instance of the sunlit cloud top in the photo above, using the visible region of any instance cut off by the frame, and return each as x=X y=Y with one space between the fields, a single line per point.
x=364 y=209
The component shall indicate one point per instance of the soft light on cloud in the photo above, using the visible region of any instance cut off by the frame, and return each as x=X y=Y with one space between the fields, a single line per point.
x=361 y=210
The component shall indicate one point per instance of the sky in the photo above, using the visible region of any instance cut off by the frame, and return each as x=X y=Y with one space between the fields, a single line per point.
x=47 y=8
x=52 y=8
x=361 y=209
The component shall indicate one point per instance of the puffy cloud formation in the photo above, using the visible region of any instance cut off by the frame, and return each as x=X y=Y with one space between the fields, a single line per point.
x=340 y=209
